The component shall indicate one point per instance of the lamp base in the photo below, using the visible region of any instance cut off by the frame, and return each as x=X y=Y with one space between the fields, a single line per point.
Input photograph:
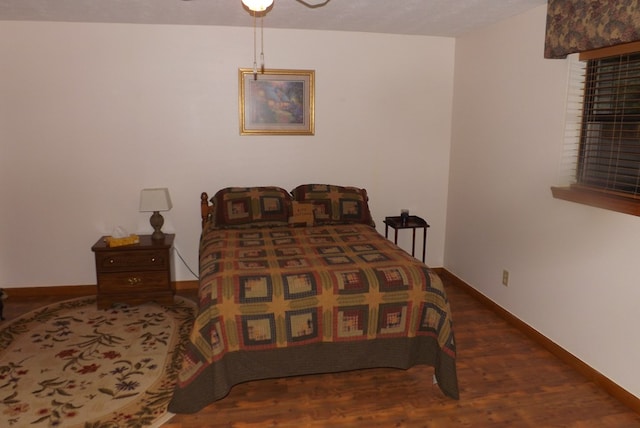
x=157 y=235
x=157 y=221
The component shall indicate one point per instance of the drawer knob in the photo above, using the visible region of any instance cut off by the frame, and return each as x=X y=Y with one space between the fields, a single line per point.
x=153 y=259
x=111 y=261
x=134 y=280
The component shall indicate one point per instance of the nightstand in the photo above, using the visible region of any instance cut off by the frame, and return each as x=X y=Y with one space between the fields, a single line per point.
x=134 y=274
x=413 y=223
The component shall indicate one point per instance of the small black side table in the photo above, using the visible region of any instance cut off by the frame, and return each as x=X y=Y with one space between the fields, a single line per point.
x=414 y=223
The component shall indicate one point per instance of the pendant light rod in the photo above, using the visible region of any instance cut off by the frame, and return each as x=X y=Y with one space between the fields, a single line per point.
x=255 y=63
x=262 y=44
x=258 y=7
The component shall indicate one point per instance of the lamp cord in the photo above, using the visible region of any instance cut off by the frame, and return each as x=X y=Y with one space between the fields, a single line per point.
x=185 y=263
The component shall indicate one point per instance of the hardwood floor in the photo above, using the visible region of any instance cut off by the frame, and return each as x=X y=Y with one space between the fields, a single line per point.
x=506 y=380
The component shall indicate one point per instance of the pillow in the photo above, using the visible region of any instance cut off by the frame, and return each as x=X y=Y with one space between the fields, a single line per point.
x=302 y=214
x=335 y=204
x=252 y=206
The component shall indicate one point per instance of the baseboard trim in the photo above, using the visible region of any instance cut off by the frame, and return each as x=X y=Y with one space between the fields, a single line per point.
x=613 y=389
x=185 y=285
x=78 y=290
x=54 y=290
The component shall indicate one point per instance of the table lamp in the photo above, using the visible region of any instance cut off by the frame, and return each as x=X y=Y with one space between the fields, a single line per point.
x=155 y=200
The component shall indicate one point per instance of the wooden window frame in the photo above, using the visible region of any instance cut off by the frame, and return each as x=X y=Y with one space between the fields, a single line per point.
x=594 y=196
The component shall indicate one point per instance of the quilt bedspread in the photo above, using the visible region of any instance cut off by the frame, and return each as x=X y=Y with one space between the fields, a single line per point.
x=288 y=301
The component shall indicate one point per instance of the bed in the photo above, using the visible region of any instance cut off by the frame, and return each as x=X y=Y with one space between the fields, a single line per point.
x=300 y=282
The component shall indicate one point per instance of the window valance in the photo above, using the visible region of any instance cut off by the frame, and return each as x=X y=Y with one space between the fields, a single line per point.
x=581 y=25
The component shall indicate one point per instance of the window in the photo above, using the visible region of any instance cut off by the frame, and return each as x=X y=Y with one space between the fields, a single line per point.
x=607 y=160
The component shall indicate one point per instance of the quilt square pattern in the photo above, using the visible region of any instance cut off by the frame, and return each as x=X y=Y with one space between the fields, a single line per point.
x=351 y=282
x=217 y=337
x=254 y=289
x=321 y=239
x=251 y=242
x=314 y=231
x=374 y=257
x=250 y=235
x=303 y=326
x=354 y=238
x=351 y=209
x=251 y=253
x=284 y=241
x=294 y=263
x=271 y=206
x=322 y=210
x=238 y=208
x=347 y=229
x=210 y=264
x=334 y=249
x=338 y=260
x=351 y=322
x=392 y=278
x=209 y=293
x=252 y=264
x=358 y=248
x=289 y=251
x=432 y=319
x=393 y=318
x=258 y=331
x=212 y=243
x=301 y=285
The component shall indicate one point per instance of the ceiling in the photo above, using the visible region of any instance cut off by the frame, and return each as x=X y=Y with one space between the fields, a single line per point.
x=449 y=18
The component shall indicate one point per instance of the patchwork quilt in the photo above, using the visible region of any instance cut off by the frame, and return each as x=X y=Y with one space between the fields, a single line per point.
x=286 y=301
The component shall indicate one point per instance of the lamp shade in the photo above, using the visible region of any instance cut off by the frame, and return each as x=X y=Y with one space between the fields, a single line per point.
x=155 y=200
x=257 y=5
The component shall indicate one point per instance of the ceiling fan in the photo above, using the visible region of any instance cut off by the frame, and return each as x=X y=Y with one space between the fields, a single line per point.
x=313 y=6
x=259 y=8
x=264 y=5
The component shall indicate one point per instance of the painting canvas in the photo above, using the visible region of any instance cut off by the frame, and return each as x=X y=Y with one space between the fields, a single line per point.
x=276 y=102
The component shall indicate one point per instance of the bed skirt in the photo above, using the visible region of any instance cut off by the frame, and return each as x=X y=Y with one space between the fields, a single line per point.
x=216 y=380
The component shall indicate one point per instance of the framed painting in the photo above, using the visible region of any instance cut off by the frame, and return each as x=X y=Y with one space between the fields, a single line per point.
x=276 y=102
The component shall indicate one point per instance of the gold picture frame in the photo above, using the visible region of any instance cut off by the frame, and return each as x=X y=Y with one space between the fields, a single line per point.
x=277 y=102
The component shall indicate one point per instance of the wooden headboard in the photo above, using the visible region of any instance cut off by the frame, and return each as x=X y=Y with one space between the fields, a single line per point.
x=206 y=210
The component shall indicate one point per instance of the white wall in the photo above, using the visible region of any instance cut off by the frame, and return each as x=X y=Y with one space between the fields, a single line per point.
x=574 y=269
x=92 y=113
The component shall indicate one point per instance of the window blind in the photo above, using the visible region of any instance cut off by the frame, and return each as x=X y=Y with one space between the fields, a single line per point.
x=573 y=120
x=610 y=143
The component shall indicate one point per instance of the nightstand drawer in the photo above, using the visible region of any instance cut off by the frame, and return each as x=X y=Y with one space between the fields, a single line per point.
x=130 y=282
x=122 y=261
x=134 y=274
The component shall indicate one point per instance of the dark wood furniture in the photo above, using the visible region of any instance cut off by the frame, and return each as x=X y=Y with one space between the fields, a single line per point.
x=134 y=274
x=414 y=223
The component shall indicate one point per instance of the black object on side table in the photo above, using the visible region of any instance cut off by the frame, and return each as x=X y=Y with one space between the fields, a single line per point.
x=414 y=222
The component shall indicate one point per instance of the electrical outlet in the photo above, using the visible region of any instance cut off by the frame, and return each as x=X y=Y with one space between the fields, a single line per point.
x=505 y=277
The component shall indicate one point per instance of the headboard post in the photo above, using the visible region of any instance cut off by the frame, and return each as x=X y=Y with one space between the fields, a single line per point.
x=204 y=208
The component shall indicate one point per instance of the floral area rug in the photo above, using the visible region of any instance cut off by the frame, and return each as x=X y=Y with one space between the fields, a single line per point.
x=70 y=364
